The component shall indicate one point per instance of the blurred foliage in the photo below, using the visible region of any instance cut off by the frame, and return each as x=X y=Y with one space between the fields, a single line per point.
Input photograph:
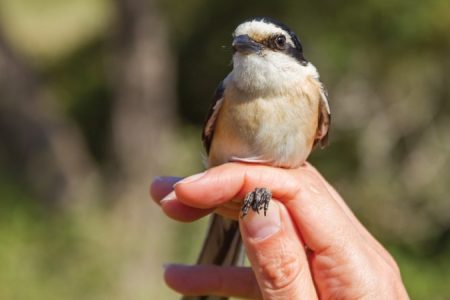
x=386 y=65
x=47 y=30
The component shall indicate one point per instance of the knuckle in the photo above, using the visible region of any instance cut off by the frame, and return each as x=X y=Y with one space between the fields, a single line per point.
x=387 y=263
x=392 y=270
x=384 y=279
x=392 y=263
x=280 y=269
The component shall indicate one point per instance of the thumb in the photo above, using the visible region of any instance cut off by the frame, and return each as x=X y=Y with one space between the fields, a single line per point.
x=277 y=254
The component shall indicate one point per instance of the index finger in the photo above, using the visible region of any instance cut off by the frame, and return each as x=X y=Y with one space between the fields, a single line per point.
x=321 y=221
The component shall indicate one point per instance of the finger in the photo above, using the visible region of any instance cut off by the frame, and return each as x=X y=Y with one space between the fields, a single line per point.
x=362 y=230
x=199 y=280
x=320 y=220
x=220 y=184
x=333 y=193
x=181 y=212
x=277 y=255
x=161 y=191
x=339 y=247
x=161 y=186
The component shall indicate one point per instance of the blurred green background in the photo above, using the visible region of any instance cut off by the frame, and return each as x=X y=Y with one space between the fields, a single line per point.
x=97 y=97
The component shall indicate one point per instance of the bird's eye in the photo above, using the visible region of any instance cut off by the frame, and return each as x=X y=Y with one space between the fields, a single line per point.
x=280 y=41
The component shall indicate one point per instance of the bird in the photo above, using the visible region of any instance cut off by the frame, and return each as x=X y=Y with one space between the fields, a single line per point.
x=271 y=109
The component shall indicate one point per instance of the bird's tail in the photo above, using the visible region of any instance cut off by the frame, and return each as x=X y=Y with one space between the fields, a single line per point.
x=222 y=246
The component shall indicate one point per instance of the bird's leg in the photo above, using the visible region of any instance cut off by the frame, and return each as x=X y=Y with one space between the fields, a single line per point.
x=256 y=200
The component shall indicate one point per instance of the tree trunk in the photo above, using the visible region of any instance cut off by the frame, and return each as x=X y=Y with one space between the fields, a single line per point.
x=43 y=149
x=142 y=121
x=143 y=114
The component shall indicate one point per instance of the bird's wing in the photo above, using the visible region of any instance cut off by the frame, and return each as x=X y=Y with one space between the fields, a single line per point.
x=324 y=119
x=210 y=121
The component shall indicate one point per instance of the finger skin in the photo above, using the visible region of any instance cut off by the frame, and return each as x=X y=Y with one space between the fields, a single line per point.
x=234 y=180
x=361 y=229
x=278 y=257
x=320 y=220
x=344 y=259
x=343 y=262
x=162 y=187
x=239 y=282
x=182 y=212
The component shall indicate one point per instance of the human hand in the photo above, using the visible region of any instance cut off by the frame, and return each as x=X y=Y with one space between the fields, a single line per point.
x=309 y=246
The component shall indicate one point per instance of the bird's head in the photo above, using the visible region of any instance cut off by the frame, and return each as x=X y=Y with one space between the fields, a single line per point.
x=267 y=55
x=265 y=36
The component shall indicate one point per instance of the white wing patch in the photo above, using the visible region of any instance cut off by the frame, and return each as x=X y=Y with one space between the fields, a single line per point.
x=251 y=160
x=324 y=119
x=210 y=124
x=324 y=99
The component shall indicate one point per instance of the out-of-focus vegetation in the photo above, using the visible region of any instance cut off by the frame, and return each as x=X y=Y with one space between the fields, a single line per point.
x=96 y=97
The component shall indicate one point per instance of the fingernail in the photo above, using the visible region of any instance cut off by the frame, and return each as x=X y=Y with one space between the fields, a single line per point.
x=174 y=265
x=158 y=178
x=191 y=178
x=258 y=226
x=169 y=179
x=169 y=197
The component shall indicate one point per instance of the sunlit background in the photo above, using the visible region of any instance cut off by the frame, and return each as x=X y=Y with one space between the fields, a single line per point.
x=97 y=97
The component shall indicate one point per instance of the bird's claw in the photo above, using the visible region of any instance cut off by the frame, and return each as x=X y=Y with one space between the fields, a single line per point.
x=256 y=200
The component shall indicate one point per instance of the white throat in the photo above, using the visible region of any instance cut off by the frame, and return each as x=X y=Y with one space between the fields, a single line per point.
x=269 y=72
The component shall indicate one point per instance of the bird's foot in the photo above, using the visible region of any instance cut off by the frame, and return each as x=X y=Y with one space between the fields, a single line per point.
x=256 y=200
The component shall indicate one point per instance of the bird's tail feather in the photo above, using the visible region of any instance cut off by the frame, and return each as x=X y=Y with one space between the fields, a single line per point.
x=222 y=246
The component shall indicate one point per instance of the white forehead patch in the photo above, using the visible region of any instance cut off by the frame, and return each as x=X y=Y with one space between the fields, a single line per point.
x=261 y=29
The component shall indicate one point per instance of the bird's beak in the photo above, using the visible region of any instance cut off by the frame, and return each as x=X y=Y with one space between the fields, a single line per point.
x=245 y=45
